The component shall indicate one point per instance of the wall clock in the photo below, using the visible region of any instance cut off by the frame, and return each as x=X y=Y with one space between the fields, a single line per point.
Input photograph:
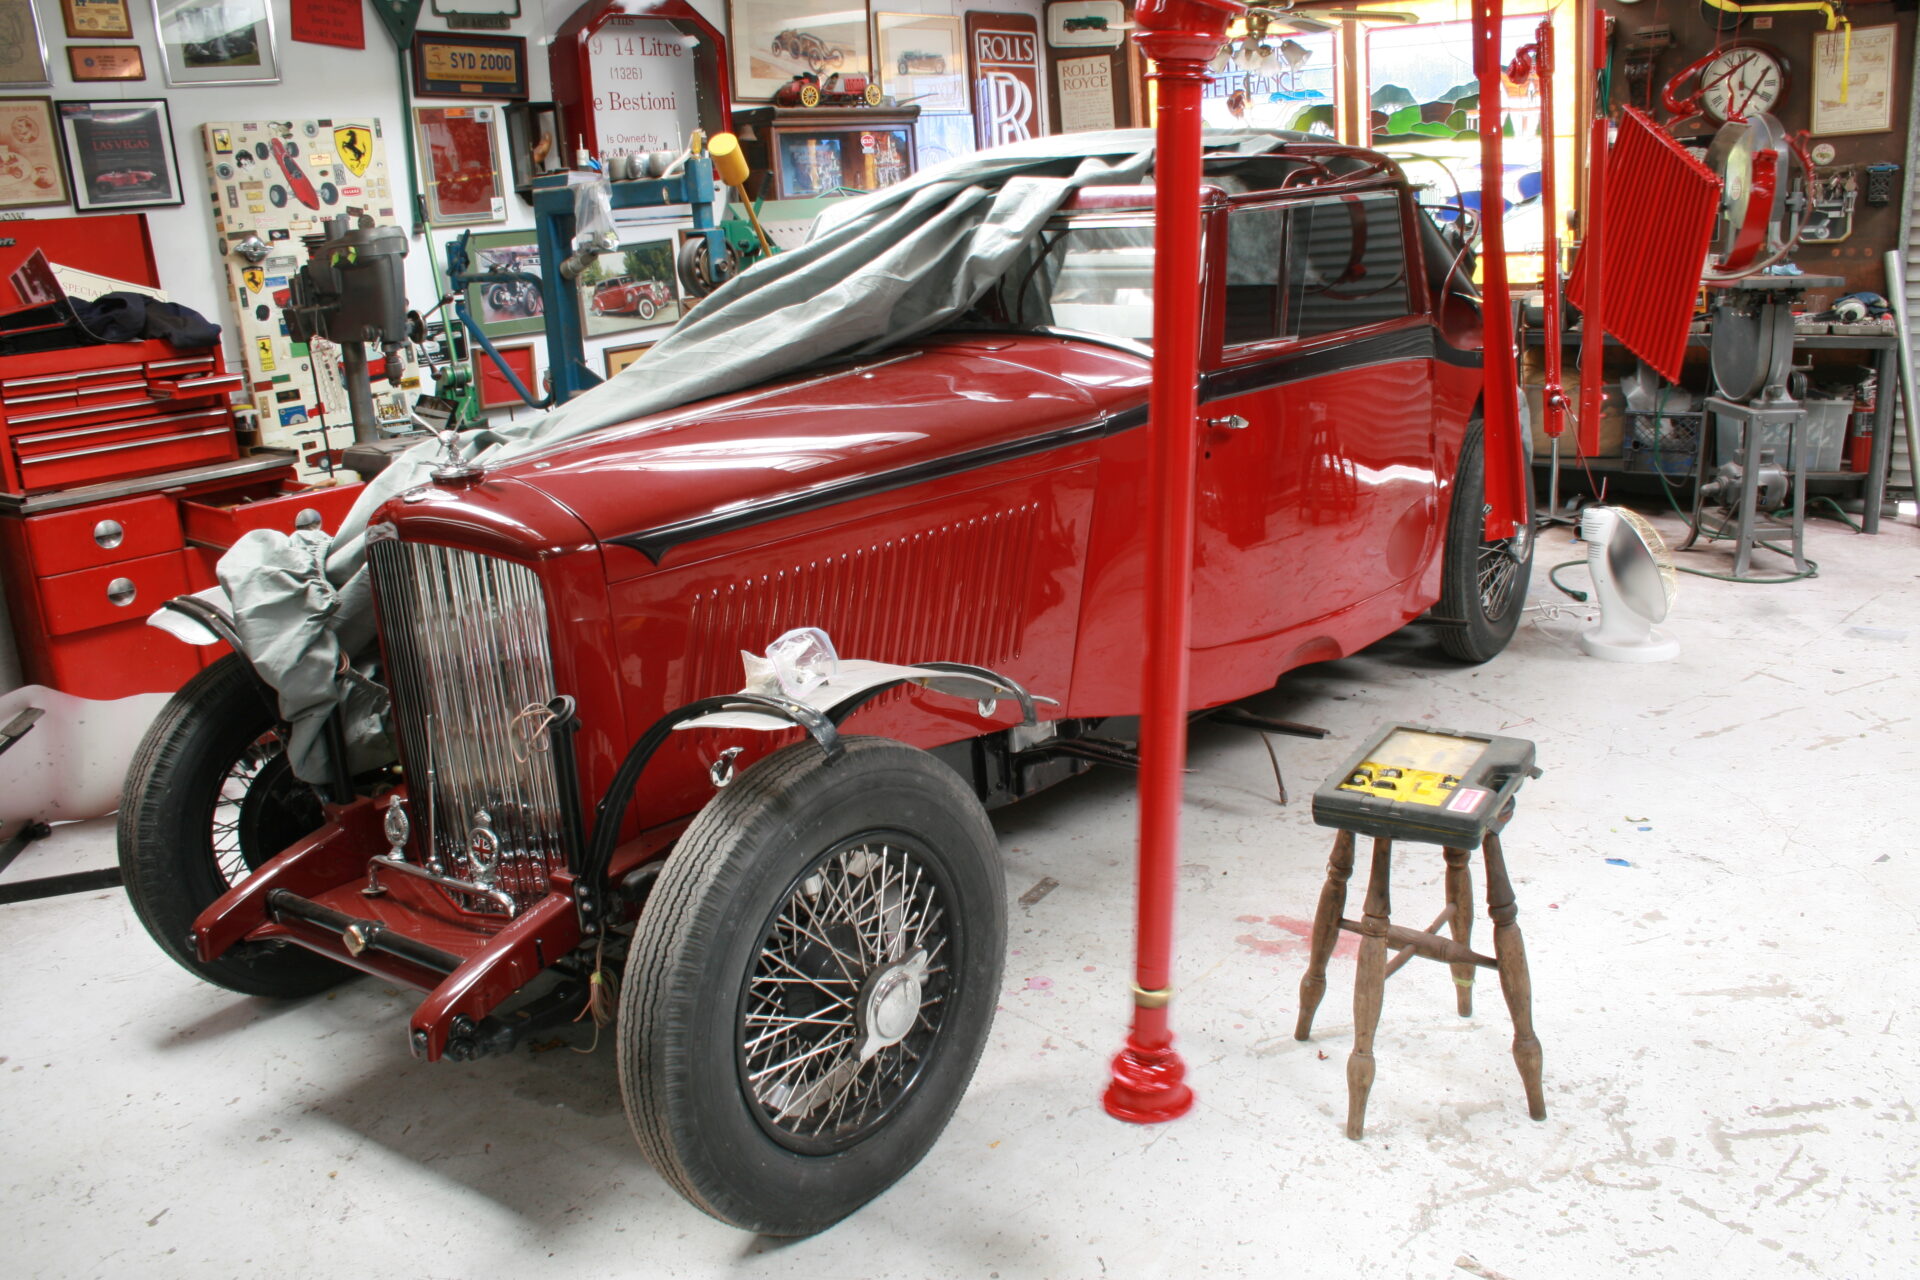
x=1745 y=79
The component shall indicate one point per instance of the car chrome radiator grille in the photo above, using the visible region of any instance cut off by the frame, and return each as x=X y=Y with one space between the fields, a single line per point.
x=466 y=647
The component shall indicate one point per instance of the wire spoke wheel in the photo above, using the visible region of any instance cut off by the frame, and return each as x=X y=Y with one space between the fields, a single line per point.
x=259 y=809
x=847 y=997
x=1499 y=573
x=1483 y=581
x=811 y=983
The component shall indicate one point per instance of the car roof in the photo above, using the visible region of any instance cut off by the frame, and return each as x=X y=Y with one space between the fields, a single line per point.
x=1304 y=165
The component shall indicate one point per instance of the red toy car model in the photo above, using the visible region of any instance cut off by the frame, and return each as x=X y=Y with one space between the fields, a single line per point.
x=813 y=920
x=121 y=178
x=626 y=296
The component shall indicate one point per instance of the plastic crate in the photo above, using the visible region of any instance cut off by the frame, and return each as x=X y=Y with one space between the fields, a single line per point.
x=1823 y=438
x=1665 y=442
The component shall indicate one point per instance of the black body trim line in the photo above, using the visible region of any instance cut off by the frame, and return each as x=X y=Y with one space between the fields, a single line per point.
x=1417 y=342
x=655 y=543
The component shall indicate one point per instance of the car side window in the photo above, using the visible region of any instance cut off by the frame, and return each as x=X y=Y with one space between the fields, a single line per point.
x=1256 y=248
x=1347 y=264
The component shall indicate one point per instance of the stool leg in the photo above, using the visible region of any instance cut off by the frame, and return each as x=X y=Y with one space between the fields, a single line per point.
x=1326 y=929
x=1511 y=954
x=1369 y=987
x=1460 y=900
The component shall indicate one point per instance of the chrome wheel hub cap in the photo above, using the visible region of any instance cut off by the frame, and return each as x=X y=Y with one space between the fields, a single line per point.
x=889 y=1004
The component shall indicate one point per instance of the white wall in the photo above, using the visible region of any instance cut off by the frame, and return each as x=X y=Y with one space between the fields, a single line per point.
x=321 y=81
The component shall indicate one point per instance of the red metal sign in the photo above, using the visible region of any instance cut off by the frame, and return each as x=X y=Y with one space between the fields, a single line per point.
x=1006 y=76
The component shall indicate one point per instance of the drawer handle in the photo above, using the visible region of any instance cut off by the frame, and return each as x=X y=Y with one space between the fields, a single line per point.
x=307 y=519
x=108 y=534
x=121 y=591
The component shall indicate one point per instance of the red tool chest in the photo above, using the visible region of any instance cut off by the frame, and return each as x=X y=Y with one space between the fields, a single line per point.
x=84 y=567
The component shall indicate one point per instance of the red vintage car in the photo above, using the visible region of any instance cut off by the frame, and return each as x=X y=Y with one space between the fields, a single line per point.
x=115 y=179
x=626 y=296
x=808 y=925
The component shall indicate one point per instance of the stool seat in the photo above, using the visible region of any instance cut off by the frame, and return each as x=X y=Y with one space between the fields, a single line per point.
x=1378 y=932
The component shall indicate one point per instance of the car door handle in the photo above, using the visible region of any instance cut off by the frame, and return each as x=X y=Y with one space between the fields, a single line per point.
x=1232 y=422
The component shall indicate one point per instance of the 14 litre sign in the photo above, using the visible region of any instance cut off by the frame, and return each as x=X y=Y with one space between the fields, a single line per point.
x=642 y=77
x=1006 y=61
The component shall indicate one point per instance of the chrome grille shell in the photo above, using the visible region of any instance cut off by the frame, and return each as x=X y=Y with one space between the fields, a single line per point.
x=465 y=639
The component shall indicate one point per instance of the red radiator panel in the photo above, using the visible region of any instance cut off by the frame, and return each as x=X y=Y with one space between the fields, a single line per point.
x=1660 y=208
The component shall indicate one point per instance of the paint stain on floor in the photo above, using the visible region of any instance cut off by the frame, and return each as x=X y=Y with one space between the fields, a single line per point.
x=1295 y=935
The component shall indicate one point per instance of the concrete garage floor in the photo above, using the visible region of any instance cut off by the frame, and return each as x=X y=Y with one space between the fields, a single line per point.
x=1729 y=1039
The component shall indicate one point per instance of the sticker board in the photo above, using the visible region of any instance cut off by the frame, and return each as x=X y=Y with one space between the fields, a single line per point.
x=277 y=180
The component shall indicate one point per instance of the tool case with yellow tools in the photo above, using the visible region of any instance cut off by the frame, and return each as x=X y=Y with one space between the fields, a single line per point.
x=1416 y=782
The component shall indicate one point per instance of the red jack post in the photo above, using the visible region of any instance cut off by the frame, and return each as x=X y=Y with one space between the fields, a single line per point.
x=1180 y=37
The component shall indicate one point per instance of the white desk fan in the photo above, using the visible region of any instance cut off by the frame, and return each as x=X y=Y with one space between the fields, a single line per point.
x=1633 y=583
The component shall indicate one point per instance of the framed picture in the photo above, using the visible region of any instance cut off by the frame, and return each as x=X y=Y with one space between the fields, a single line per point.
x=775 y=40
x=120 y=154
x=30 y=172
x=89 y=62
x=460 y=163
x=216 y=41
x=536 y=143
x=23 y=50
x=618 y=358
x=464 y=64
x=505 y=309
x=495 y=391
x=97 y=19
x=631 y=287
x=1853 y=80
x=922 y=57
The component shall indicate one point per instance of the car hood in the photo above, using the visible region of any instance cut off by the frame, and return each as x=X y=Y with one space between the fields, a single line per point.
x=833 y=432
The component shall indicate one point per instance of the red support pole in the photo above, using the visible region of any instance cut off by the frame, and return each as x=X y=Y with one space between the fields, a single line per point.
x=1505 y=493
x=1553 y=394
x=1181 y=37
x=1593 y=333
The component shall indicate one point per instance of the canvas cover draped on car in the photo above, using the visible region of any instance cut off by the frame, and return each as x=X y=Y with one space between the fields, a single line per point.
x=879 y=270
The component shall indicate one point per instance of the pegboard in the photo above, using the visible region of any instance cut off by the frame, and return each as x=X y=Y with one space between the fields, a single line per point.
x=277 y=180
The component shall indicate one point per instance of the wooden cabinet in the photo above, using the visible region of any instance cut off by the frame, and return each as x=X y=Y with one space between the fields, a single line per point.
x=797 y=152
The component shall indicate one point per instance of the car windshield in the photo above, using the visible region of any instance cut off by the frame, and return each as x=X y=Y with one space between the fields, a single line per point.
x=1084 y=276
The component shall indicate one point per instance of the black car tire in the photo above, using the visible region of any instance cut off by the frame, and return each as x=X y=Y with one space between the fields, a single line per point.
x=216 y=737
x=710 y=944
x=1483 y=585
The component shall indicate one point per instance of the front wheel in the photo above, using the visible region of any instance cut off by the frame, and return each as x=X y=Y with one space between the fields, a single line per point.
x=1483 y=585
x=209 y=799
x=811 y=984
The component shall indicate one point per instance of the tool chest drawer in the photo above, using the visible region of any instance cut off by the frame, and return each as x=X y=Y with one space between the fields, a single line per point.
x=219 y=519
x=66 y=541
x=112 y=593
x=82 y=415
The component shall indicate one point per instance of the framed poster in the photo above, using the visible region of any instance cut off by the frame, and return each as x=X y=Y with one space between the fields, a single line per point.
x=464 y=64
x=97 y=19
x=922 y=58
x=1085 y=24
x=23 y=50
x=120 y=154
x=505 y=309
x=460 y=164
x=1084 y=92
x=631 y=287
x=1862 y=76
x=495 y=391
x=340 y=23
x=775 y=40
x=30 y=172
x=618 y=358
x=216 y=41
x=90 y=62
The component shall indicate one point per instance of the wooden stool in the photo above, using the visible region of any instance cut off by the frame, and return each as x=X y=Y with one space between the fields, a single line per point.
x=1377 y=931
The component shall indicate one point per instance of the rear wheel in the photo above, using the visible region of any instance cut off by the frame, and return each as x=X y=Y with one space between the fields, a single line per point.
x=811 y=984
x=1483 y=586
x=209 y=799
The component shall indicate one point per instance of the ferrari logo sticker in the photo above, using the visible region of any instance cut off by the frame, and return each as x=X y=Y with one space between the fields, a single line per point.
x=265 y=347
x=355 y=145
x=256 y=279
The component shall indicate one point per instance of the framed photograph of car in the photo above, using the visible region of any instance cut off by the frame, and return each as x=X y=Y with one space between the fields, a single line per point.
x=629 y=288
x=30 y=170
x=776 y=40
x=23 y=50
x=460 y=159
x=97 y=19
x=922 y=58
x=503 y=309
x=120 y=154
x=216 y=41
x=618 y=358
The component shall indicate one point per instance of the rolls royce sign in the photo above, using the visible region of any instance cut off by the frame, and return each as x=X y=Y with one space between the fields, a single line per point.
x=1006 y=67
